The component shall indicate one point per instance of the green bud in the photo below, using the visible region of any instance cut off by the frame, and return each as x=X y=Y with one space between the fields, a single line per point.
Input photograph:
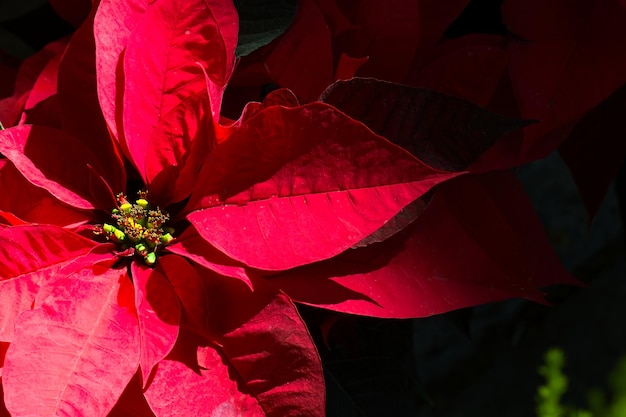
x=108 y=228
x=150 y=258
x=119 y=235
x=141 y=249
x=142 y=202
x=126 y=207
x=166 y=238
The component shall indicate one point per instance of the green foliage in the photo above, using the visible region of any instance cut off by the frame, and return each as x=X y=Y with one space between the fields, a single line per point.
x=549 y=394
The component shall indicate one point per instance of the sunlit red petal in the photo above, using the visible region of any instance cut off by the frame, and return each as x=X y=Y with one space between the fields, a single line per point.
x=297 y=185
x=74 y=358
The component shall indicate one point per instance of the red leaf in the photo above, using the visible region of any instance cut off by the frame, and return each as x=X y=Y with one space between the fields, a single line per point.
x=445 y=132
x=187 y=38
x=273 y=353
x=178 y=148
x=280 y=97
x=301 y=58
x=80 y=110
x=196 y=381
x=3 y=351
x=193 y=247
x=574 y=59
x=11 y=107
x=9 y=219
x=469 y=67
x=74 y=356
x=52 y=160
x=436 y=16
x=132 y=402
x=485 y=224
x=113 y=23
x=45 y=85
x=387 y=33
x=297 y=185
x=33 y=204
x=30 y=256
x=72 y=11
x=191 y=291
x=3 y=411
x=397 y=223
x=158 y=311
x=267 y=354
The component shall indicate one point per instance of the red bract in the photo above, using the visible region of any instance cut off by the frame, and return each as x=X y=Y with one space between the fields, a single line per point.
x=110 y=311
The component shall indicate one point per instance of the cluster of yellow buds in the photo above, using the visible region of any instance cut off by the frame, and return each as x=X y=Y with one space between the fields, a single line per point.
x=138 y=226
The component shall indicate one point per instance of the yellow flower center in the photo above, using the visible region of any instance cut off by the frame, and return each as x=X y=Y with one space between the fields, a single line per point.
x=138 y=226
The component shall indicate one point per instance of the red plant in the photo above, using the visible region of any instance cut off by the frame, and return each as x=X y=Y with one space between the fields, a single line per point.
x=151 y=249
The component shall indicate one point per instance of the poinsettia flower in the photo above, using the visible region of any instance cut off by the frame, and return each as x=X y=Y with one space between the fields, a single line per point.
x=168 y=280
x=193 y=281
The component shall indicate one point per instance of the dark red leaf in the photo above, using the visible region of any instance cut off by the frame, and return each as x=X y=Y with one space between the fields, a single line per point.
x=388 y=33
x=81 y=114
x=11 y=107
x=570 y=58
x=158 y=311
x=301 y=59
x=191 y=290
x=478 y=241
x=63 y=351
x=72 y=11
x=446 y=132
x=53 y=160
x=32 y=204
x=280 y=97
x=265 y=345
x=3 y=411
x=297 y=185
x=3 y=351
x=274 y=355
x=436 y=16
x=405 y=217
x=45 y=85
x=470 y=67
x=132 y=402
x=9 y=219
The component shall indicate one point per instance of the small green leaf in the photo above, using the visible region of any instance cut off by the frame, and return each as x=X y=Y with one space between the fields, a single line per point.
x=260 y=22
